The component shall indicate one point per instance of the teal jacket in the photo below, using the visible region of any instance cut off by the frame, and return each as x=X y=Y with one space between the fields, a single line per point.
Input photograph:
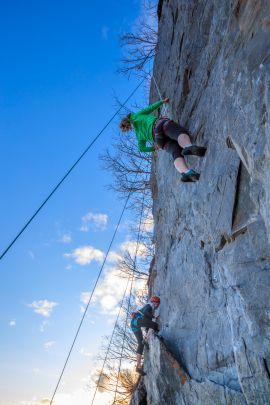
x=142 y=123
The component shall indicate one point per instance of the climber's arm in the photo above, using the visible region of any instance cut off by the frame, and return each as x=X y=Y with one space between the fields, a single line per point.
x=151 y=108
x=143 y=148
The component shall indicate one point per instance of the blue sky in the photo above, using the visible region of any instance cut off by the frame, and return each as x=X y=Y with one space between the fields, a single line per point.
x=57 y=77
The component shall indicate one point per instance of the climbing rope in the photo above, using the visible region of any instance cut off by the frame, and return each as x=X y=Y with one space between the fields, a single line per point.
x=90 y=298
x=165 y=107
x=130 y=294
x=68 y=172
x=109 y=345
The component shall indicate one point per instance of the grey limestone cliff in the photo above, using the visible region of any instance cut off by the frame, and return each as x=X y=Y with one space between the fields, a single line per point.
x=212 y=262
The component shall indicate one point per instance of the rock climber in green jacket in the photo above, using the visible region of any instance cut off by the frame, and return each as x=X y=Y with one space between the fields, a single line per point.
x=165 y=134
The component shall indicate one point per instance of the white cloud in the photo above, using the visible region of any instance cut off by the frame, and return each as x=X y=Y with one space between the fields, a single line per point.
x=65 y=238
x=48 y=345
x=113 y=257
x=81 y=397
x=85 y=296
x=85 y=352
x=77 y=390
x=12 y=323
x=43 y=307
x=109 y=303
x=131 y=247
x=78 y=396
x=110 y=291
x=104 y=32
x=94 y=221
x=148 y=223
x=43 y=325
x=85 y=255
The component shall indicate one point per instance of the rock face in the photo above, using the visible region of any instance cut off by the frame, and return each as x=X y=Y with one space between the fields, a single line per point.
x=212 y=263
x=167 y=383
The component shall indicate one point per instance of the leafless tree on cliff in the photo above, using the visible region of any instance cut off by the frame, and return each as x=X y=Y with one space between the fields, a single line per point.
x=139 y=45
x=139 y=266
x=126 y=382
x=123 y=346
x=131 y=169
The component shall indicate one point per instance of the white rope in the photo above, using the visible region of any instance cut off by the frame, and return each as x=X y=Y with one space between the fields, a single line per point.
x=165 y=107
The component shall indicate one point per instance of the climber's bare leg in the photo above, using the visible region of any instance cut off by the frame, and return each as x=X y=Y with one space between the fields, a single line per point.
x=184 y=140
x=188 y=148
x=180 y=165
x=139 y=360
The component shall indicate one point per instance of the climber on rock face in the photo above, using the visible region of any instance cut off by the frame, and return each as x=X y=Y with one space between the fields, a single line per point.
x=143 y=318
x=165 y=134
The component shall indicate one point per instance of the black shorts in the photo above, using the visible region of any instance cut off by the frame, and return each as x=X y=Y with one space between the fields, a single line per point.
x=166 y=134
x=146 y=323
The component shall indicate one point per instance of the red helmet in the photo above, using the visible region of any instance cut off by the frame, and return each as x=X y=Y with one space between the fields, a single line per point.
x=155 y=299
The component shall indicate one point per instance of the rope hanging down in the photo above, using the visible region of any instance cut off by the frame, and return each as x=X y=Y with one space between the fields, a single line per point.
x=166 y=109
x=109 y=345
x=130 y=293
x=90 y=298
x=68 y=172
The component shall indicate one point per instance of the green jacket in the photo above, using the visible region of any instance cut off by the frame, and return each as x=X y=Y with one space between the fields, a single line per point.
x=142 y=123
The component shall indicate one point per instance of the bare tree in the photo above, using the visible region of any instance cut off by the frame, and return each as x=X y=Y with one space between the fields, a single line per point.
x=139 y=45
x=123 y=348
x=131 y=168
x=128 y=267
x=136 y=264
x=126 y=382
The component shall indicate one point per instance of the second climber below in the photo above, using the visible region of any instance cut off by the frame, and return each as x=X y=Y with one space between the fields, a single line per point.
x=140 y=319
x=164 y=134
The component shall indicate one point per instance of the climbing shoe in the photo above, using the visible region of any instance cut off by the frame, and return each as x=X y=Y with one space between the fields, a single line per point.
x=190 y=176
x=140 y=371
x=194 y=150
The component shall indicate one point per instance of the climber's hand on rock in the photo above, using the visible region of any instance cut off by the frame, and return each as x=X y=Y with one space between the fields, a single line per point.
x=166 y=100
